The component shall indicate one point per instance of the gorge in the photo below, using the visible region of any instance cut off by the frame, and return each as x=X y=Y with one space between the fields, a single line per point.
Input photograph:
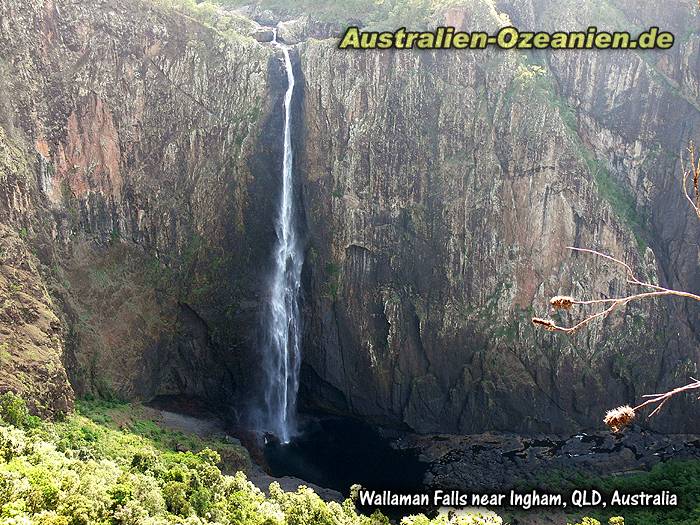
x=186 y=204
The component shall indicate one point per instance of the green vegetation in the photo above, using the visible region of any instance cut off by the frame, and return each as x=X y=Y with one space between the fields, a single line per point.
x=228 y=24
x=334 y=273
x=375 y=14
x=678 y=477
x=617 y=520
x=13 y=411
x=141 y=421
x=476 y=518
x=106 y=465
x=110 y=464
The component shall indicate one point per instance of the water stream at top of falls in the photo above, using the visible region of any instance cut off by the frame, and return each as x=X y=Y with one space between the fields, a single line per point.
x=282 y=356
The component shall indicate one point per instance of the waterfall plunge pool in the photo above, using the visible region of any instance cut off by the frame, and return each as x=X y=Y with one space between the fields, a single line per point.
x=338 y=452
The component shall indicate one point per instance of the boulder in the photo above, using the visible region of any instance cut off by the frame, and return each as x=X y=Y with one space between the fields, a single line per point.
x=264 y=34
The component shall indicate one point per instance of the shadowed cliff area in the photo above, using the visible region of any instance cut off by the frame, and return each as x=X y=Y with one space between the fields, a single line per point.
x=140 y=157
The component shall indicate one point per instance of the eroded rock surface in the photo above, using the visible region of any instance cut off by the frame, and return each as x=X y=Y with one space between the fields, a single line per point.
x=499 y=462
x=142 y=173
x=439 y=191
x=442 y=190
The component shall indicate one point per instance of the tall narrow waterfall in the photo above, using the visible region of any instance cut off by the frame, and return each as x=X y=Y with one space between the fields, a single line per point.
x=283 y=354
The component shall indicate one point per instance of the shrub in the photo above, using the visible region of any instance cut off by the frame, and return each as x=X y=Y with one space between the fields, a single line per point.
x=175 y=496
x=13 y=411
x=77 y=472
x=12 y=442
x=145 y=460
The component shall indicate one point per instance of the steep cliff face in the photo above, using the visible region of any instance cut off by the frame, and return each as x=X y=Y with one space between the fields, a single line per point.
x=147 y=179
x=441 y=192
x=32 y=338
x=140 y=162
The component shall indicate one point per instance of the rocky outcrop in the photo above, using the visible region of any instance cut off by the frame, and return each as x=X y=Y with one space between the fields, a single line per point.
x=32 y=338
x=441 y=192
x=305 y=27
x=31 y=335
x=500 y=462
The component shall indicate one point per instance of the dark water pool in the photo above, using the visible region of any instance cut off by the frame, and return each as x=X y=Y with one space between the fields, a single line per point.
x=337 y=453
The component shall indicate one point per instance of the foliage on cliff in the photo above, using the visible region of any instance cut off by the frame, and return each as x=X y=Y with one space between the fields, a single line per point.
x=227 y=23
x=375 y=13
x=109 y=464
x=80 y=472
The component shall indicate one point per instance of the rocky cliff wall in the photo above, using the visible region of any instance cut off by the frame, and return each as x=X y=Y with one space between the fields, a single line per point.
x=140 y=166
x=441 y=192
x=148 y=176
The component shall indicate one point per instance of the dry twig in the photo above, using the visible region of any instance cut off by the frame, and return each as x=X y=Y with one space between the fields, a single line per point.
x=662 y=398
x=694 y=172
x=565 y=303
x=622 y=416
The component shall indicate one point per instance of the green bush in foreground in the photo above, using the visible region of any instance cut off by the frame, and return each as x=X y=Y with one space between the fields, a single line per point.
x=79 y=472
x=678 y=476
x=591 y=521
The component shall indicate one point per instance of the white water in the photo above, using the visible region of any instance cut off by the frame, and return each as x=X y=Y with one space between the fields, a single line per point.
x=283 y=355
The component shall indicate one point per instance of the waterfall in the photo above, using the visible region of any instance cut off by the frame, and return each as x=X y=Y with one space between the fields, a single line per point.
x=283 y=353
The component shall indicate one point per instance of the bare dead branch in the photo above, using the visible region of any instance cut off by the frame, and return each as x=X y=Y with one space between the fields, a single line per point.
x=694 y=171
x=660 y=399
x=559 y=303
x=622 y=416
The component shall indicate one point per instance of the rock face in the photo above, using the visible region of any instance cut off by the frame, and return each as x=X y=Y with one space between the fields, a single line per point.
x=499 y=462
x=32 y=338
x=140 y=155
x=31 y=333
x=441 y=192
x=143 y=179
x=300 y=29
x=264 y=35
